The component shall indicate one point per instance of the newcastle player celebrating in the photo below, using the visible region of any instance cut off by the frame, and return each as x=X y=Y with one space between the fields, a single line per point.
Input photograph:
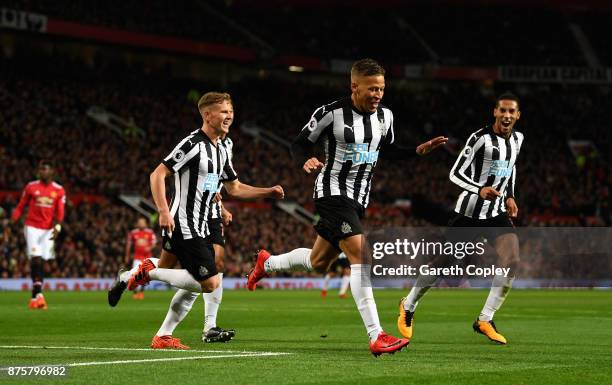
x=354 y=131
x=199 y=162
x=486 y=171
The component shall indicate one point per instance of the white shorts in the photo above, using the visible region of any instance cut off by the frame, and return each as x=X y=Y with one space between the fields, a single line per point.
x=39 y=243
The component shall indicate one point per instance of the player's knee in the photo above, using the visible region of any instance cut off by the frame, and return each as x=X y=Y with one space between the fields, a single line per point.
x=209 y=285
x=320 y=265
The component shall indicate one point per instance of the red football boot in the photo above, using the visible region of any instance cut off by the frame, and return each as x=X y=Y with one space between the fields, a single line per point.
x=141 y=276
x=386 y=343
x=168 y=342
x=258 y=271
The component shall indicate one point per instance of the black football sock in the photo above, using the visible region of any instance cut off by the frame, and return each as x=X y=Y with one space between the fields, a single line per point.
x=37 y=273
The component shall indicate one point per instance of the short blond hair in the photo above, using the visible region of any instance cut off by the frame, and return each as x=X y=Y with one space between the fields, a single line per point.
x=367 y=67
x=210 y=98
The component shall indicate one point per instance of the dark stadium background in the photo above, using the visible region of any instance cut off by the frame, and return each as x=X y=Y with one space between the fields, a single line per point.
x=147 y=63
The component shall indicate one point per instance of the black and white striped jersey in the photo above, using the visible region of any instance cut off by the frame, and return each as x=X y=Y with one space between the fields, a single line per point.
x=352 y=141
x=486 y=160
x=198 y=166
x=215 y=209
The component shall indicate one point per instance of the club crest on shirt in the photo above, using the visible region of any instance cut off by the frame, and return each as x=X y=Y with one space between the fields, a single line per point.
x=178 y=155
x=53 y=194
x=346 y=228
x=467 y=151
x=382 y=127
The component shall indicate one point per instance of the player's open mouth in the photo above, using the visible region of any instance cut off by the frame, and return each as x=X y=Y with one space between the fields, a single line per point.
x=506 y=123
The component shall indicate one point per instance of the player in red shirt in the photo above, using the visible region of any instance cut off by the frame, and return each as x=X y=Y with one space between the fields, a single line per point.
x=143 y=239
x=45 y=200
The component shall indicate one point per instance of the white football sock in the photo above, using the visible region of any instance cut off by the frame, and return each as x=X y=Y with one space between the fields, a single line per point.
x=298 y=259
x=422 y=284
x=499 y=290
x=125 y=276
x=326 y=281
x=179 y=278
x=344 y=284
x=212 y=301
x=179 y=307
x=361 y=287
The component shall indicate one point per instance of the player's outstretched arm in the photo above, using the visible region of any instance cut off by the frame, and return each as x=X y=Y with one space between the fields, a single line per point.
x=239 y=190
x=158 y=189
x=393 y=151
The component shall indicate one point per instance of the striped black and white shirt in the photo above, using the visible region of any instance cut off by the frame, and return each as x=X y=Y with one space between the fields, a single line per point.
x=352 y=141
x=215 y=209
x=487 y=160
x=198 y=166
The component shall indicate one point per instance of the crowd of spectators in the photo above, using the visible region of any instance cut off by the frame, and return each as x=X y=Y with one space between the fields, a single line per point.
x=416 y=32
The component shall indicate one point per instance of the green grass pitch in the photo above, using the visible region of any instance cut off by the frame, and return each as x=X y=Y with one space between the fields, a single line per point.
x=555 y=337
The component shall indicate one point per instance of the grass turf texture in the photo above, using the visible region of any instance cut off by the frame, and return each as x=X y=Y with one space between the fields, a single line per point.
x=555 y=337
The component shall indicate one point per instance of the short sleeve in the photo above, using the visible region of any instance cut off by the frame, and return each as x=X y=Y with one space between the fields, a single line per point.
x=318 y=123
x=182 y=153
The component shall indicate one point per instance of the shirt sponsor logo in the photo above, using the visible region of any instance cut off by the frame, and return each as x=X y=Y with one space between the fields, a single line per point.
x=211 y=183
x=44 y=202
x=358 y=153
x=500 y=168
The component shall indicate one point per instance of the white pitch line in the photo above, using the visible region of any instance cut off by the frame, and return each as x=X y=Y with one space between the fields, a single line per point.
x=125 y=349
x=262 y=354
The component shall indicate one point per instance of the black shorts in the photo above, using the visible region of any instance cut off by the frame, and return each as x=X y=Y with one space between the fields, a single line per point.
x=215 y=227
x=196 y=255
x=337 y=218
x=472 y=228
